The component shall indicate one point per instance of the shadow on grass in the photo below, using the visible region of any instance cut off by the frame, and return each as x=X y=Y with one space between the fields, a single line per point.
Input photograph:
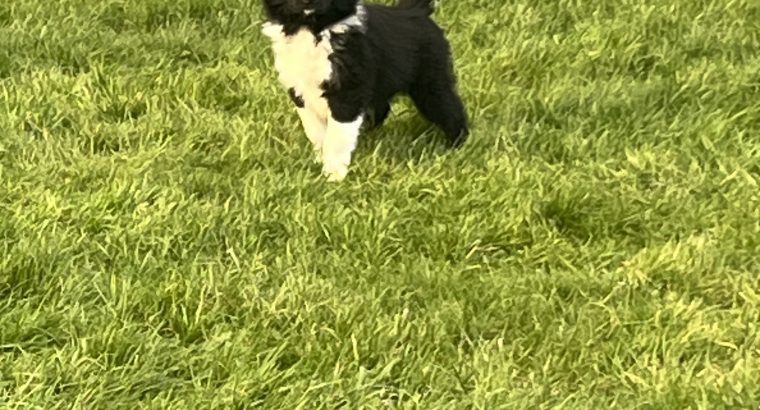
x=405 y=137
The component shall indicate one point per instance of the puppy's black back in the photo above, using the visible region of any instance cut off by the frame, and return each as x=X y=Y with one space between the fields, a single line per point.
x=398 y=38
x=411 y=55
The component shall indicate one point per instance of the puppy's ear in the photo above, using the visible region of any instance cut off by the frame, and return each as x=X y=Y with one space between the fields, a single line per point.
x=345 y=6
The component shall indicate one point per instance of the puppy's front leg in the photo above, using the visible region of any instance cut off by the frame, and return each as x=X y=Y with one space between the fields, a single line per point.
x=315 y=129
x=338 y=146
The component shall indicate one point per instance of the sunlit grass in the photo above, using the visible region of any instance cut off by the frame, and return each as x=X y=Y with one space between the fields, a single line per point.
x=167 y=242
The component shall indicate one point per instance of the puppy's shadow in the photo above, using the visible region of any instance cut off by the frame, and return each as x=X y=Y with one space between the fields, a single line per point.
x=404 y=137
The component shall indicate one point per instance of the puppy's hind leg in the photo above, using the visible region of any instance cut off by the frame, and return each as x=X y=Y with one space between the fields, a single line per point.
x=439 y=103
x=434 y=93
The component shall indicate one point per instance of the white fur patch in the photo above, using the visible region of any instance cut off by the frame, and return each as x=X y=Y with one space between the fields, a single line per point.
x=302 y=64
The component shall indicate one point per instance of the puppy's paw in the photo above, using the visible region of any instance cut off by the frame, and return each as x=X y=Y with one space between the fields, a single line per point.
x=335 y=173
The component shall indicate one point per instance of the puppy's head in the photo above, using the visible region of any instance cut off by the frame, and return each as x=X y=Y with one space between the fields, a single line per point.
x=304 y=11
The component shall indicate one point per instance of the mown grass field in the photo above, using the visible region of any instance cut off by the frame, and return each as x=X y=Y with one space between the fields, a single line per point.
x=168 y=243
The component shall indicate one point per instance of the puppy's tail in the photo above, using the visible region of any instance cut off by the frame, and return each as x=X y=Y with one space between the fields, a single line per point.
x=426 y=6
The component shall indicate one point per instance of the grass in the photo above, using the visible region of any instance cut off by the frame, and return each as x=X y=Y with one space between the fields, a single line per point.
x=167 y=242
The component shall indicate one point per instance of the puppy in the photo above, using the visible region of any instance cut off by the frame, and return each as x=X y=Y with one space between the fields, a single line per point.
x=342 y=62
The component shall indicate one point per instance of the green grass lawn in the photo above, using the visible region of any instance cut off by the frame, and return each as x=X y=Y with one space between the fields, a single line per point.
x=166 y=241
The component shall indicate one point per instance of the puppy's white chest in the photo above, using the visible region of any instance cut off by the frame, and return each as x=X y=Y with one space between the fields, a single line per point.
x=302 y=63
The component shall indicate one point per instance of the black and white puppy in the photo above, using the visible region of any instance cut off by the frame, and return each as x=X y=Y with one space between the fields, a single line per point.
x=342 y=62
